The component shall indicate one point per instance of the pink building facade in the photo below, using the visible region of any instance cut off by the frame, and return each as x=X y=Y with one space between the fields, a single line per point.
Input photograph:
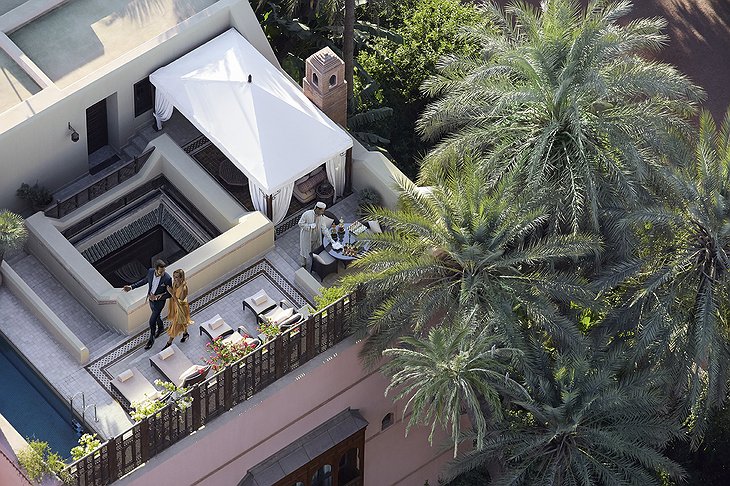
x=222 y=452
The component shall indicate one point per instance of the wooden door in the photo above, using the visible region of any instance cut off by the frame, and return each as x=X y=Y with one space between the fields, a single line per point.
x=97 y=135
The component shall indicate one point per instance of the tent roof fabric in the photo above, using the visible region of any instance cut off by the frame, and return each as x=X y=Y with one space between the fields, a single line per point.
x=267 y=127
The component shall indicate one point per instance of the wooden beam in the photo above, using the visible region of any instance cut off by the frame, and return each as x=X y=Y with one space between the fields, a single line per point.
x=269 y=207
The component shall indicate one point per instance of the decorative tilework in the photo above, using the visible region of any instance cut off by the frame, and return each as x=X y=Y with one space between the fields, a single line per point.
x=262 y=268
x=198 y=144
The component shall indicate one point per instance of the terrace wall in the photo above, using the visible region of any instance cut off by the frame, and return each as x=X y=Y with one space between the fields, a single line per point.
x=243 y=237
x=34 y=136
x=222 y=452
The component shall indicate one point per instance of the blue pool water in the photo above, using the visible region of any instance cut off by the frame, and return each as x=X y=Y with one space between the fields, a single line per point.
x=30 y=406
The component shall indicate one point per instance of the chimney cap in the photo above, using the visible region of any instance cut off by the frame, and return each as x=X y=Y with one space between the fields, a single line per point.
x=325 y=60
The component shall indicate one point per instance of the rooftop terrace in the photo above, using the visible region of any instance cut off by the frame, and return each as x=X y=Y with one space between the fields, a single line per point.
x=111 y=353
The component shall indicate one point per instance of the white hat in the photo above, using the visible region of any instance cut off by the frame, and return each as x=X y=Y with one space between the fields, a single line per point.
x=320 y=205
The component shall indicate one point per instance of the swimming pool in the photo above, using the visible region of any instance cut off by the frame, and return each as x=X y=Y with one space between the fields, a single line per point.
x=31 y=406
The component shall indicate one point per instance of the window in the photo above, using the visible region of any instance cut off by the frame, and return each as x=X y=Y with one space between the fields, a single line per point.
x=323 y=476
x=143 y=96
x=386 y=422
x=349 y=466
x=333 y=80
x=315 y=79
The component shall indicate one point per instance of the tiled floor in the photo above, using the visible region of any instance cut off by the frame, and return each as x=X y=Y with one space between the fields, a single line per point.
x=273 y=273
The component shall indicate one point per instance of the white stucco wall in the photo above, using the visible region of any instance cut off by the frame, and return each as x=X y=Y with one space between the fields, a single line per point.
x=34 y=137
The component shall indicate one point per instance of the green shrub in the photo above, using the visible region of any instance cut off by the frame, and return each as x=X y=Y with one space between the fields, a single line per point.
x=329 y=295
x=39 y=196
x=367 y=197
x=38 y=461
x=88 y=443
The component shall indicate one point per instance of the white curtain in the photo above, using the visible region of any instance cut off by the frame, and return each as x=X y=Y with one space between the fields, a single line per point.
x=258 y=198
x=336 y=174
x=163 y=108
x=280 y=200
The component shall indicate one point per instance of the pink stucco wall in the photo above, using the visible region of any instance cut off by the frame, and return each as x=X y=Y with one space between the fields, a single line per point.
x=222 y=452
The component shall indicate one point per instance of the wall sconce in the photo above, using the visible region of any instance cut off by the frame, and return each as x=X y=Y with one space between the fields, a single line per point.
x=74 y=134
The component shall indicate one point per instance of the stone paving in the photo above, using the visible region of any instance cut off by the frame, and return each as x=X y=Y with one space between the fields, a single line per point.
x=273 y=272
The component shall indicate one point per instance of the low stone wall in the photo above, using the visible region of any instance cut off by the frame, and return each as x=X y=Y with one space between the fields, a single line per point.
x=48 y=318
x=375 y=171
x=244 y=236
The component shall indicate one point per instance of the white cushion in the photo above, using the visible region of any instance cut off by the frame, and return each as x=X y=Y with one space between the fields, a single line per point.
x=300 y=180
x=166 y=353
x=217 y=324
x=260 y=297
x=326 y=222
x=284 y=315
x=125 y=375
x=325 y=257
x=375 y=227
x=188 y=372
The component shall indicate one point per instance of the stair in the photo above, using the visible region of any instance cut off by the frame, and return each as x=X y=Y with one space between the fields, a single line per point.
x=103 y=344
x=62 y=303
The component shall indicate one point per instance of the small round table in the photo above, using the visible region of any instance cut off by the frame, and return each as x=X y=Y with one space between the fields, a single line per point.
x=347 y=238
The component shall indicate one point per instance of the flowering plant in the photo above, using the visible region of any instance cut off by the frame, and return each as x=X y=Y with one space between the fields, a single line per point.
x=148 y=407
x=223 y=354
x=269 y=329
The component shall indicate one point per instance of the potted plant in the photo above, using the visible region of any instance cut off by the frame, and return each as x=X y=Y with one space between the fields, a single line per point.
x=269 y=329
x=12 y=232
x=38 y=196
x=367 y=198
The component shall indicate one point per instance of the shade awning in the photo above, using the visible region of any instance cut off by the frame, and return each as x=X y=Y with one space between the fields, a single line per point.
x=266 y=127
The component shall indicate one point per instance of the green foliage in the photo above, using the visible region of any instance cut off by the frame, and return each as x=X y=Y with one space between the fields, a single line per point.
x=38 y=461
x=39 y=196
x=563 y=100
x=223 y=354
x=270 y=330
x=177 y=395
x=453 y=369
x=464 y=246
x=12 y=231
x=88 y=443
x=329 y=296
x=428 y=30
x=581 y=408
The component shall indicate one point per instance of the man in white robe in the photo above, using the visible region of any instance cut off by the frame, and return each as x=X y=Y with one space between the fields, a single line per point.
x=310 y=232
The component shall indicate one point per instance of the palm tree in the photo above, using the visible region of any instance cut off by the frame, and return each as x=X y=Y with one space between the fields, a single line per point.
x=453 y=369
x=12 y=231
x=562 y=100
x=679 y=286
x=458 y=246
x=584 y=422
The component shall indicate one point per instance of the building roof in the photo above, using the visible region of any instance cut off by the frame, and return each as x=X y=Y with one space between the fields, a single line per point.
x=305 y=449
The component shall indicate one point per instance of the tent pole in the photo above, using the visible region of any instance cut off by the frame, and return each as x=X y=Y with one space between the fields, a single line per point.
x=269 y=206
x=348 y=171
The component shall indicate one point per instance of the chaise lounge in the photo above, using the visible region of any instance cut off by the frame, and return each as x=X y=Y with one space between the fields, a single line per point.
x=177 y=368
x=259 y=303
x=133 y=387
x=215 y=327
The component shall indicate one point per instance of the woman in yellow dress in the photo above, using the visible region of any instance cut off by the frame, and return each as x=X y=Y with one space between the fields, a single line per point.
x=179 y=312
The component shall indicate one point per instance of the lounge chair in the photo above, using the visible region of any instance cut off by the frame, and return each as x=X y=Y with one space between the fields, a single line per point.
x=284 y=317
x=177 y=368
x=134 y=387
x=259 y=303
x=215 y=328
x=238 y=337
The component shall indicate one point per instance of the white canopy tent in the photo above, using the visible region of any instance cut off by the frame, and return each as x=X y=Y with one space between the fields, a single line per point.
x=255 y=115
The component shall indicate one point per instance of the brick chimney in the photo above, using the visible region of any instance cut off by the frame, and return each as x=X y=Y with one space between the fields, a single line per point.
x=324 y=83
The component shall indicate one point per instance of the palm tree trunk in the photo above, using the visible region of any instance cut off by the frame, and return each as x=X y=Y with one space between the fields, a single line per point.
x=348 y=50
